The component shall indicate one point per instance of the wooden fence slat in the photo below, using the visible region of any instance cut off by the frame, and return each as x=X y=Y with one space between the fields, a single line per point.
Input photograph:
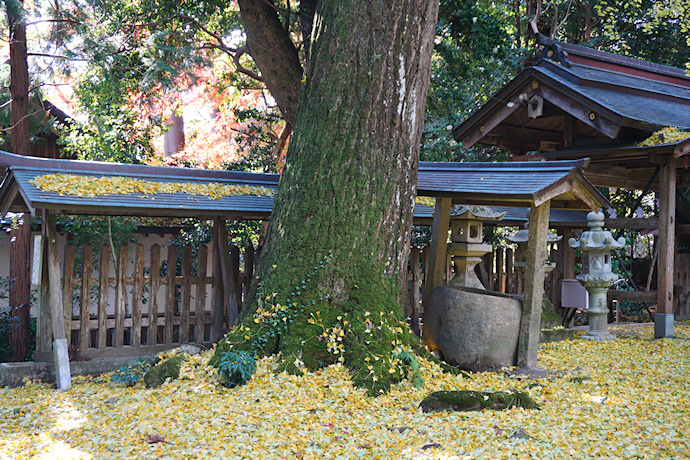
x=235 y=257
x=510 y=271
x=153 y=299
x=67 y=290
x=249 y=256
x=414 y=298
x=46 y=342
x=500 y=274
x=120 y=297
x=200 y=314
x=103 y=286
x=137 y=295
x=170 y=295
x=85 y=311
x=186 y=293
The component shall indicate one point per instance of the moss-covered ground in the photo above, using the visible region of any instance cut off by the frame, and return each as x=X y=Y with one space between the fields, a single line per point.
x=634 y=404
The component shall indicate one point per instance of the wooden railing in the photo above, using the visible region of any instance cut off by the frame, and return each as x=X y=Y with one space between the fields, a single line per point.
x=142 y=298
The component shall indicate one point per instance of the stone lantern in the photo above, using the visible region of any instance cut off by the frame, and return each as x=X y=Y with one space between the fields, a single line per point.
x=597 y=277
x=521 y=238
x=467 y=246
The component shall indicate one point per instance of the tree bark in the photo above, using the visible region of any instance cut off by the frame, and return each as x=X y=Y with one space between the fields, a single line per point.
x=275 y=55
x=20 y=289
x=19 y=80
x=338 y=242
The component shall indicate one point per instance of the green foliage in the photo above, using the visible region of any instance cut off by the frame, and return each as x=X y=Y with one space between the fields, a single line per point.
x=236 y=368
x=408 y=359
x=473 y=57
x=97 y=230
x=130 y=375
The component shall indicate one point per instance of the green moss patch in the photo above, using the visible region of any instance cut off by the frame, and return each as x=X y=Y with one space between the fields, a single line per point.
x=166 y=369
x=441 y=401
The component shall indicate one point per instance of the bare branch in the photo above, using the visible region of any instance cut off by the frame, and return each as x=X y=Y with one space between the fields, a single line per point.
x=56 y=56
x=42 y=21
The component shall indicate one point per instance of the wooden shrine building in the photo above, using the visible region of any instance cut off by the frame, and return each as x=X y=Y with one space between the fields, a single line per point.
x=575 y=102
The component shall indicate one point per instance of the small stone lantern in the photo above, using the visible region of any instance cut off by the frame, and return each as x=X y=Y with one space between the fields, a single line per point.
x=467 y=246
x=597 y=277
x=521 y=238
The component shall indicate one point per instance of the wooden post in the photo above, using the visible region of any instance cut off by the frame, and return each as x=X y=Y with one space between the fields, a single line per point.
x=500 y=275
x=414 y=297
x=200 y=310
x=67 y=290
x=153 y=300
x=510 y=271
x=137 y=294
x=218 y=292
x=85 y=310
x=120 y=297
x=226 y=269
x=103 y=287
x=530 y=323
x=170 y=295
x=438 y=248
x=663 y=320
x=249 y=256
x=60 y=349
x=235 y=257
x=186 y=293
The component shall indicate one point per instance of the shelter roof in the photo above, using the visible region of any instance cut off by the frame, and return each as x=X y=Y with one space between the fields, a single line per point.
x=510 y=184
x=587 y=93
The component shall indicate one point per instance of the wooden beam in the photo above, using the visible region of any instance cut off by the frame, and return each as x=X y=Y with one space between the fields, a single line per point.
x=667 y=242
x=496 y=117
x=530 y=323
x=569 y=130
x=437 y=249
x=643 y=223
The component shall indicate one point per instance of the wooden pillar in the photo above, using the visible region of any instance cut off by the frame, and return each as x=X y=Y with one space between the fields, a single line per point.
x=663 y=320
x=510 y=271
x=438 y=249
x=530 y=323
x=218 y=292
x=414 y=295
x=60 y=352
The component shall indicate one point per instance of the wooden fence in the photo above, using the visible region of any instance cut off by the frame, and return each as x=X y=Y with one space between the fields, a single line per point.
x=142 y=299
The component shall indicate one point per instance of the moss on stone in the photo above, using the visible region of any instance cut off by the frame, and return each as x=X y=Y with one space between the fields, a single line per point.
x=549 y=317
x=168 y=368
x=465 y=400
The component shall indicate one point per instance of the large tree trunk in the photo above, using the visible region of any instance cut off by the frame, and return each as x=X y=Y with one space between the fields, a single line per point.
x=20 y=289
x=338 y=241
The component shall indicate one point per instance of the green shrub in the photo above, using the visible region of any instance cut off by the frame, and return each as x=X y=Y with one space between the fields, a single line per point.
x=236 y=368
x=130 y=375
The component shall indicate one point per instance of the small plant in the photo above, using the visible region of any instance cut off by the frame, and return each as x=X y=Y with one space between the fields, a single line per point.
x=130 y=375
x=410 y=360
x=236 y=368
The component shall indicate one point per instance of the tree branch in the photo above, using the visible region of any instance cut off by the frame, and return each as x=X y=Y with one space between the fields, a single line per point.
x=238 y=66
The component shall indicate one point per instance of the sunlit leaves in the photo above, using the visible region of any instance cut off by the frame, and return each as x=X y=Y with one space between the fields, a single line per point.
x=633 y=405
x=89 y=186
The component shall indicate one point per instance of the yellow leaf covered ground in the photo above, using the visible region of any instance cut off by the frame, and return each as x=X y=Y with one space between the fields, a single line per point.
x=635 y=405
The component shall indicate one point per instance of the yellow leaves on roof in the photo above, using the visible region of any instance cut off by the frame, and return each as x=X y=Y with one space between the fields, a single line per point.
x=425 y=200
x=630 y=401
x=667 y=135
x=90 y=186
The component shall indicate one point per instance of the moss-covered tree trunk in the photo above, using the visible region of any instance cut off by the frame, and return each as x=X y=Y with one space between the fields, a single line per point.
x=331 y=275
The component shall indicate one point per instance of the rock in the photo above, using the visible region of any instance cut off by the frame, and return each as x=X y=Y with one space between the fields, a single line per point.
x=187 y=349
x=549 y=318
x=557 y=334
x=474 y=329
x=169 y=368
x=464 y=400
x=520 y=433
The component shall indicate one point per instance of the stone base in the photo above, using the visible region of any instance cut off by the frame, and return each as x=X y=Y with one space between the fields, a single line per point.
x=663 y=325
x=599 y=337
x=555 y=335
x=13 y=374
